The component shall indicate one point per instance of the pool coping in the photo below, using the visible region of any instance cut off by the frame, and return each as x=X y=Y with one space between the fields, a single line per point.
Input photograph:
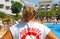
x=50 y=23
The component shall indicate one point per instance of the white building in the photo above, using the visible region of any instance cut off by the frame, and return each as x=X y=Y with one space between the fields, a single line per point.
x=5 y=6
x=45 y=4
x=16 y=0
x=57 y=5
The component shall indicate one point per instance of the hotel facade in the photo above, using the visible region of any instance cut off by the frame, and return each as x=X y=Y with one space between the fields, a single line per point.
x=48 y=5
x=5 y=5
x=45 y=5
x=57 y=5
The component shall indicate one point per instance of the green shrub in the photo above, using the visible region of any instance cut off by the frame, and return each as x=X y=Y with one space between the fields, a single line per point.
x=2 y=14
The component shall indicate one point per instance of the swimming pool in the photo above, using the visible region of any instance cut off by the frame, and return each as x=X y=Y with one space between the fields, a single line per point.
x=55 y=29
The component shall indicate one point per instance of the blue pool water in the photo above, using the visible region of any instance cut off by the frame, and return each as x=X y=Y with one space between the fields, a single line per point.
x=55 y=29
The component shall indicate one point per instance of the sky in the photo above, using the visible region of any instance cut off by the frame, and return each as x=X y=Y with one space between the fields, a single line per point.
x=36 y=1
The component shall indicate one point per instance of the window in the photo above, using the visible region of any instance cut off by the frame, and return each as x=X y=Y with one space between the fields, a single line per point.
x=42 y=8
x=42 y=5
x=47 y=8
x=48 y=5
x=1 y=5
x=12 y=1
x=55 y=4
x=7 y=0
x=7 y=7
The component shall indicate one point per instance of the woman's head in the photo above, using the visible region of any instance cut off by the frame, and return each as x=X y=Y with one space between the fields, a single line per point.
x=29 y=13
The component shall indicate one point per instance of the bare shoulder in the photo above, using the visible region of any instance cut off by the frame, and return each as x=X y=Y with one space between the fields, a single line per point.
x=7 y=35
x=51 y=36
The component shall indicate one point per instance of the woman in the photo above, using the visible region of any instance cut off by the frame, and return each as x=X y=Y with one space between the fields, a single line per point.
x=29 y=29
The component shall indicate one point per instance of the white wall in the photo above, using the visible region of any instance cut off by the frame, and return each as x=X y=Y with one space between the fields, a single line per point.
x=5 y=4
